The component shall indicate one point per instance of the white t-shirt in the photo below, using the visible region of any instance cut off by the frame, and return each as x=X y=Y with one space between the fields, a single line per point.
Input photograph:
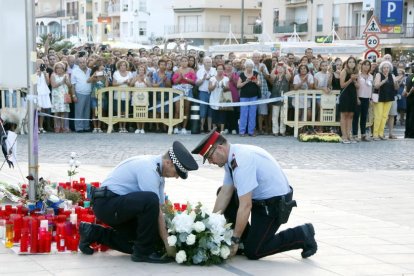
x=322 y=79
x=200 y=75
x=120 y=79
x=216 y=93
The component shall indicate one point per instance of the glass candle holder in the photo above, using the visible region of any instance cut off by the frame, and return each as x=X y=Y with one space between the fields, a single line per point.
x=9 y=234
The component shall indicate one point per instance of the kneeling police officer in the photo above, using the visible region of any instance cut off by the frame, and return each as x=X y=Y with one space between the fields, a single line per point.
x=129 y=201
x=254 y=184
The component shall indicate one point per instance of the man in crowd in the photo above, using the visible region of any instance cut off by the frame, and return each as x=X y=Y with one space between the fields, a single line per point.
x=129 y=201
x=82 y=87
x=255 y=185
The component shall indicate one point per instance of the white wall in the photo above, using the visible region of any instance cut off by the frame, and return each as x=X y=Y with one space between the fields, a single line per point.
x=13 y=57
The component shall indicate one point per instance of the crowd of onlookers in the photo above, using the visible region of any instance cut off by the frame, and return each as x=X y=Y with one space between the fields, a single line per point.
x=68 y=81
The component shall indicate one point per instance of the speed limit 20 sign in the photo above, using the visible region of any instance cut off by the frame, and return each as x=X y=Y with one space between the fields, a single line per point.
x=372 y=41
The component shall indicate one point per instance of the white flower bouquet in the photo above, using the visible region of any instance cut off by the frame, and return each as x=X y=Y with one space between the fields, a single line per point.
x=200 y=237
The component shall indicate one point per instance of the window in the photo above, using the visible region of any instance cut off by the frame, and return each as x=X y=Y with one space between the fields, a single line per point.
x=319 y=18
x=124 y=28
x=96 y=6
x=335 y=17
x=142 y=26
x=82 y=9
x=143 y=5
x=106 y=5
x=189 y=23
x=131 y=29
x=251 y=20
x=224 y=23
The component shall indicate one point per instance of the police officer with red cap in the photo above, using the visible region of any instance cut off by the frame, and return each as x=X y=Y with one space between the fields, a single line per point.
x=255 y=185
x=129 y=201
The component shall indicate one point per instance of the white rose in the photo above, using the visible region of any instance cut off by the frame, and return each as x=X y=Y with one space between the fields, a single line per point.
x=172 y=240
x=181 y=257
x=191 y=239
x=199 y=226
x=224 y=252
x=73 y=154
x=71 y=162
x=215 y=250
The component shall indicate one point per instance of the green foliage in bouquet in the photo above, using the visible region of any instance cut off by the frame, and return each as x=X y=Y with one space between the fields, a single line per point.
x=72 y=195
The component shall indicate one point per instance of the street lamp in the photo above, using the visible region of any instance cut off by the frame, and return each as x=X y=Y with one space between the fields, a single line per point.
x=242 y=22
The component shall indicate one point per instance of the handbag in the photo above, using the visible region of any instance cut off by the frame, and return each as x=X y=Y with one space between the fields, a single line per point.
x=226 y=97
x=375 y=97
x=67 y=98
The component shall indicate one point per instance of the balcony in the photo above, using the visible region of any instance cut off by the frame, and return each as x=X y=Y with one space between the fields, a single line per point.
x=296 y=2
x=218 y=31
x=73 y=15
x=114 y=10
x=287 y=27
x=357 y=32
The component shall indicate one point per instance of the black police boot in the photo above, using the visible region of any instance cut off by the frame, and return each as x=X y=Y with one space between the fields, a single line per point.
x=310 y=247
x=154 y=257
x=86 y=238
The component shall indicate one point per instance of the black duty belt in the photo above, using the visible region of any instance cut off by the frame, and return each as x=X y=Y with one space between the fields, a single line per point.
x=273 y=200
x=103 y=192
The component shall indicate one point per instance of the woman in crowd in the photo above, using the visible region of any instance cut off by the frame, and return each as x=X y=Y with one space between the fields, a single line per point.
x=217 y=85
x=184 y=79
x=303 y=81
x=280 y=85
x=121 y=79
x=99 y=80
x=394 y=109
x=232 y=116
x=249 y=86
x=386 y=84
x=348 y=99
x=402 y=101
x=409 y=94
x=192 y=63
x=141 y=80
x=364 y=92
x=43 y=91
x=61 y=97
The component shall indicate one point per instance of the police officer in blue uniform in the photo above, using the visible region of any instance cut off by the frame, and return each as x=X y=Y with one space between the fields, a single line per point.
x=255 y=185
x=129 y=201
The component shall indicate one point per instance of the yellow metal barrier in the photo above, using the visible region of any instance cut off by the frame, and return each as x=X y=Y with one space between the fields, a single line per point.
x=139 y=105
x=320 y=107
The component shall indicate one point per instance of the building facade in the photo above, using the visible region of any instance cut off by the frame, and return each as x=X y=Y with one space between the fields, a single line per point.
x=211 y=22
x=315 y=20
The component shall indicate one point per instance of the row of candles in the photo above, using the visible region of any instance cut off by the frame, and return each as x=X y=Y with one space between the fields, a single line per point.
x=36 y=231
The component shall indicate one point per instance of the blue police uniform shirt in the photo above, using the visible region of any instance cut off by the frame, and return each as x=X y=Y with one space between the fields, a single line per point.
x=253 y=169
x=137 y=174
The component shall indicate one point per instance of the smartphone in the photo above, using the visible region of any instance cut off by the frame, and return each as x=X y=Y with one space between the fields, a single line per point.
x=42 y=67
x=99 y=74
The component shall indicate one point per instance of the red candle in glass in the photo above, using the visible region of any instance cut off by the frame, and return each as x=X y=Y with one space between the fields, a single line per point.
x=183 y=207
x=177 y=206
x=24 y=241
x=18 y=222
x=75 y=243
x=48 y=242
x=42 y=240
x=60 y=243
x=82 y=180
x=34 y=236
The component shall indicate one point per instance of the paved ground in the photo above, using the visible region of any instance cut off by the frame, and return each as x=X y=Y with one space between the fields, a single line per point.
x=360 y=198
